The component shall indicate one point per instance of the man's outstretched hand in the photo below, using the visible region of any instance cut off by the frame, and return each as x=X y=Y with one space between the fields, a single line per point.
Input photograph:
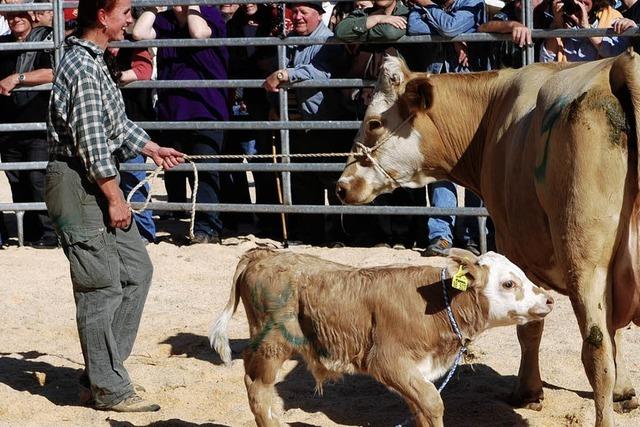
x=163 y=156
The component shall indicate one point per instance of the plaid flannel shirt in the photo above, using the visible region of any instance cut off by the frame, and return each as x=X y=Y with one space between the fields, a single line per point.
x=86 y=116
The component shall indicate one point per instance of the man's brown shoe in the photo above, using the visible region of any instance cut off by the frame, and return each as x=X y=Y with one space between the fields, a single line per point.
x=134 y=403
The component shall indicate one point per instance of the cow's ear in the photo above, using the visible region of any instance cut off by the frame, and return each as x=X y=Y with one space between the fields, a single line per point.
x=418 y=94
x=469 y=263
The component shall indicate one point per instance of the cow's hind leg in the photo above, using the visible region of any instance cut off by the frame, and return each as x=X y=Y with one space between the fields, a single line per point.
x=588 y=297
x=528 y=392
x=261 y=369
x=422 y=396
x=624 y=395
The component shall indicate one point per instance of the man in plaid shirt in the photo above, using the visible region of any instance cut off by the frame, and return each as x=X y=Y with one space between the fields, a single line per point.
x=89 y=134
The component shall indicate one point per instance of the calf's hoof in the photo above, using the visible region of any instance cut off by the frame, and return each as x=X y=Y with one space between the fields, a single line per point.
x=626 y=405
x=525 y=400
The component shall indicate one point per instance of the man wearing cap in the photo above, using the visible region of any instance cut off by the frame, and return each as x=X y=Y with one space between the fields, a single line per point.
x=307 y=21
x=312 y=62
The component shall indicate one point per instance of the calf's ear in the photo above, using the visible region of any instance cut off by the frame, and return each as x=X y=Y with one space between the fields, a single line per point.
x=468 y=261
x=418 y=94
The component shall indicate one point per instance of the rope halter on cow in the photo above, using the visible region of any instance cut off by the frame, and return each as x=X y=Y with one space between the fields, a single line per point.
x=456 y=329
x=364 y=151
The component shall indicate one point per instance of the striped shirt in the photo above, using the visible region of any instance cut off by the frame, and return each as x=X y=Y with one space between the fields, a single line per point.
x=86 y=117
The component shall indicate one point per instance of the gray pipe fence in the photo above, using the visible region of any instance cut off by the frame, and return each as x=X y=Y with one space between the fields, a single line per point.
x=284 y=125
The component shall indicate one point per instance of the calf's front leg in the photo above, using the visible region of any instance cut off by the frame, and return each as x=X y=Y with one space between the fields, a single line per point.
x=421 y=395
x=528 y=393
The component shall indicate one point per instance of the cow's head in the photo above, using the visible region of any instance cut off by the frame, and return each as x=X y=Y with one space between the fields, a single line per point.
x=510 y=297
x=389 y=151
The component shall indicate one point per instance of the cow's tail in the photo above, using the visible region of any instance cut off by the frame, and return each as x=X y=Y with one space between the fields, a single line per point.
x=626 y=70
x=218 y=336
x=627 y=257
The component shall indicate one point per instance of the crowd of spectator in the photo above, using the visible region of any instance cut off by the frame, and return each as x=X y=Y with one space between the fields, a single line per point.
x=356 y=23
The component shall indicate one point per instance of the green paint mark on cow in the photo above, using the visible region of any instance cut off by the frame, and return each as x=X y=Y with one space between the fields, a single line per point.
x=595 y=336
x=276 y=308
x=257 y=340
x=548 y=121
x=291 y=338
x=256 y=298
x=280 y=301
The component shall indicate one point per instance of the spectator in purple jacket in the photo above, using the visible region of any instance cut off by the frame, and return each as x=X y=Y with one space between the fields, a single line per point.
x=193 y=104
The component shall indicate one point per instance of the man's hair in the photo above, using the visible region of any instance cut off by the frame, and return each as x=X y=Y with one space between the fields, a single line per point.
x=598 y=5
x=88 y=12
x=37 y=12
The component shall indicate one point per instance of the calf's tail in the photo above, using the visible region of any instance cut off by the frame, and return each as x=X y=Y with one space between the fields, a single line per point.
x=218 y=336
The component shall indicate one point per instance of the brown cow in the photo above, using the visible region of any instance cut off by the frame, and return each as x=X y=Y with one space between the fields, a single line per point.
x=553 y=151
x=389 y=322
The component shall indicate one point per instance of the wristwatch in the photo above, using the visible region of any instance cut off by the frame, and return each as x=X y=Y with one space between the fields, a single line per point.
x=280 y=75
x=21 y=78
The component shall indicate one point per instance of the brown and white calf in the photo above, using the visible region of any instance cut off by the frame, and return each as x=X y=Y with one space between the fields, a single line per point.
x=389 y=322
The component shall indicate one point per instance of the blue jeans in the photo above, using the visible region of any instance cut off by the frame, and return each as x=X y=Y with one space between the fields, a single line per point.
x=128 y=180
x=442 y=195
x=468 y=231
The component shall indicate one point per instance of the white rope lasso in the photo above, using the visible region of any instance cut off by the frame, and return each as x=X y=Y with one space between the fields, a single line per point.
x=154 y=175
x=190 y=159
x=363 y=150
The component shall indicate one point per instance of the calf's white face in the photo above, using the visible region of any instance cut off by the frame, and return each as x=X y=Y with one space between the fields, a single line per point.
x=513 y=299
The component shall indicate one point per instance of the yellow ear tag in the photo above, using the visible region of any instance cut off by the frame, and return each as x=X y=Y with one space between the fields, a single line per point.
x=460 y=280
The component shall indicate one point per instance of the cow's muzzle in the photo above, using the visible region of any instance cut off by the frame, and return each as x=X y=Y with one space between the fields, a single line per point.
x=353 y=191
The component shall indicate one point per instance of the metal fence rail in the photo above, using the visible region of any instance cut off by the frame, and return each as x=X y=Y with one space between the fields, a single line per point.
x=284 y=125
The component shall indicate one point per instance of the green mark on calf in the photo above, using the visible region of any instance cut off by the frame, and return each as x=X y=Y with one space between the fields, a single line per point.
x=291 y=339
x=548 y=121
x=257 y=340
x=273 y=307
x=256 y=298
x=595 y=336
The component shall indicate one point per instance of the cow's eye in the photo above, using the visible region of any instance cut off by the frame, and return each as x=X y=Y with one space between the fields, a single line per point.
x=374 y=125
x=508 y=284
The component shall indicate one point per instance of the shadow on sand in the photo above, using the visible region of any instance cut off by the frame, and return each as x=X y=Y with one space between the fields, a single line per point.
x=581 y=393
x=197 y=347
x=164 y=423
x=60 y=386
x=475 y=396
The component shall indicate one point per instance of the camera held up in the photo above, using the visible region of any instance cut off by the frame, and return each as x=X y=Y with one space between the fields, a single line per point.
x=570 y=7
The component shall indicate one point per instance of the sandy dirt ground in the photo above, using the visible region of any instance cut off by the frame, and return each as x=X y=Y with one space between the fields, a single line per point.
x=40 y=357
